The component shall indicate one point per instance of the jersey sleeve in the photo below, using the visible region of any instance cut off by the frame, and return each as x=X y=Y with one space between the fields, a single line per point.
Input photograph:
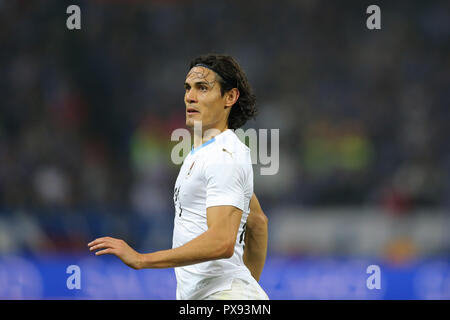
x=226 y=180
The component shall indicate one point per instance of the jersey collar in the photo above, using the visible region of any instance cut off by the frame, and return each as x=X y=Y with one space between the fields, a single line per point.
x=203 y=145
x=194 y=150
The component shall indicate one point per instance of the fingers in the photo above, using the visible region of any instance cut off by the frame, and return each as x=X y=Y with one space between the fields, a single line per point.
x=117 y=247
x=106 y=243
x=99 y=240
x=100 y=246
x=106 y=251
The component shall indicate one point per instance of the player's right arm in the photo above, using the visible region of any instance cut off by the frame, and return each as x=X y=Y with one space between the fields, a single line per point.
x=217 y=242
x=256 y=237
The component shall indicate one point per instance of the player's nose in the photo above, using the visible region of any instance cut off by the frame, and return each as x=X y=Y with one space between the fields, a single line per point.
x=191 y=96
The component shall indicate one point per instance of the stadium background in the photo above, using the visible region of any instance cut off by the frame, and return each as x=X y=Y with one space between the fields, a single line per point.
x=364 y=176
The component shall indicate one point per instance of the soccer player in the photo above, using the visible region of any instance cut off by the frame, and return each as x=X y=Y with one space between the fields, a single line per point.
x=220 y=231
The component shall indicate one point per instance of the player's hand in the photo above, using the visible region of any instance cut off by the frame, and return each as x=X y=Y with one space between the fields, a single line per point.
x=117 y=247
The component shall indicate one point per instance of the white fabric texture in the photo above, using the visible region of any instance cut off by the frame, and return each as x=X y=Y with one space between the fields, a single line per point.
x=218 y=173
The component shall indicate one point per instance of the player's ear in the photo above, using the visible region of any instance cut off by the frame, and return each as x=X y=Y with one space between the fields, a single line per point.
x=231 y=97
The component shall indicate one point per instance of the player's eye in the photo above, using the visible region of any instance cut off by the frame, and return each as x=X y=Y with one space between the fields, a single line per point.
x=203 y=88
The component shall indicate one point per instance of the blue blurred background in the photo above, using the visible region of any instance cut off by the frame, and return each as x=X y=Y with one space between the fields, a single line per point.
x=364 y=178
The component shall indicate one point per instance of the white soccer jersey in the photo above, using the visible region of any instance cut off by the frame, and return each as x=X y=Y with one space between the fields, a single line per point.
x=219 y=172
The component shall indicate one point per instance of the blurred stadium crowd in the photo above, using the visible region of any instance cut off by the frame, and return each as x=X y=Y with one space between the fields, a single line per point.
x=86 y=116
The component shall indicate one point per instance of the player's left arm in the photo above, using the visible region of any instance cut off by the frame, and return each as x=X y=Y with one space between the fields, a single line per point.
x=217 y=242
x=256 y=238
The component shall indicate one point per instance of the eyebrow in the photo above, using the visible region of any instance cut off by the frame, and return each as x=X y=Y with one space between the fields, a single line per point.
x=197 y=83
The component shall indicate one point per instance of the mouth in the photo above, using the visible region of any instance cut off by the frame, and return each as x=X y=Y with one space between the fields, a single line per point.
x=192 y=111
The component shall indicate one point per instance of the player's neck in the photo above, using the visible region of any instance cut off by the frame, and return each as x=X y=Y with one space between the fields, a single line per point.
x=206 y=135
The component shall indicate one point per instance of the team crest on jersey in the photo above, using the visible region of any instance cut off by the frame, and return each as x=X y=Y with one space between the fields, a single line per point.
x=190 y=170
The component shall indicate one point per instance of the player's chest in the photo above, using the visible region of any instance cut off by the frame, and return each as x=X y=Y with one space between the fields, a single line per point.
x=190 y=183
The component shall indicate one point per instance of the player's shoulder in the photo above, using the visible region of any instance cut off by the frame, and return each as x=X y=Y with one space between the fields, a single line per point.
x=229 y=149
x=232 y=141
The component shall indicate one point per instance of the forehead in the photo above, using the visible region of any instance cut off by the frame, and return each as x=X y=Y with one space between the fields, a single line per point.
x=198 y=73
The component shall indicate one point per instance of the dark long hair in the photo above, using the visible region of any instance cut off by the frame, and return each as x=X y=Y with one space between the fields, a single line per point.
x=230 y=75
